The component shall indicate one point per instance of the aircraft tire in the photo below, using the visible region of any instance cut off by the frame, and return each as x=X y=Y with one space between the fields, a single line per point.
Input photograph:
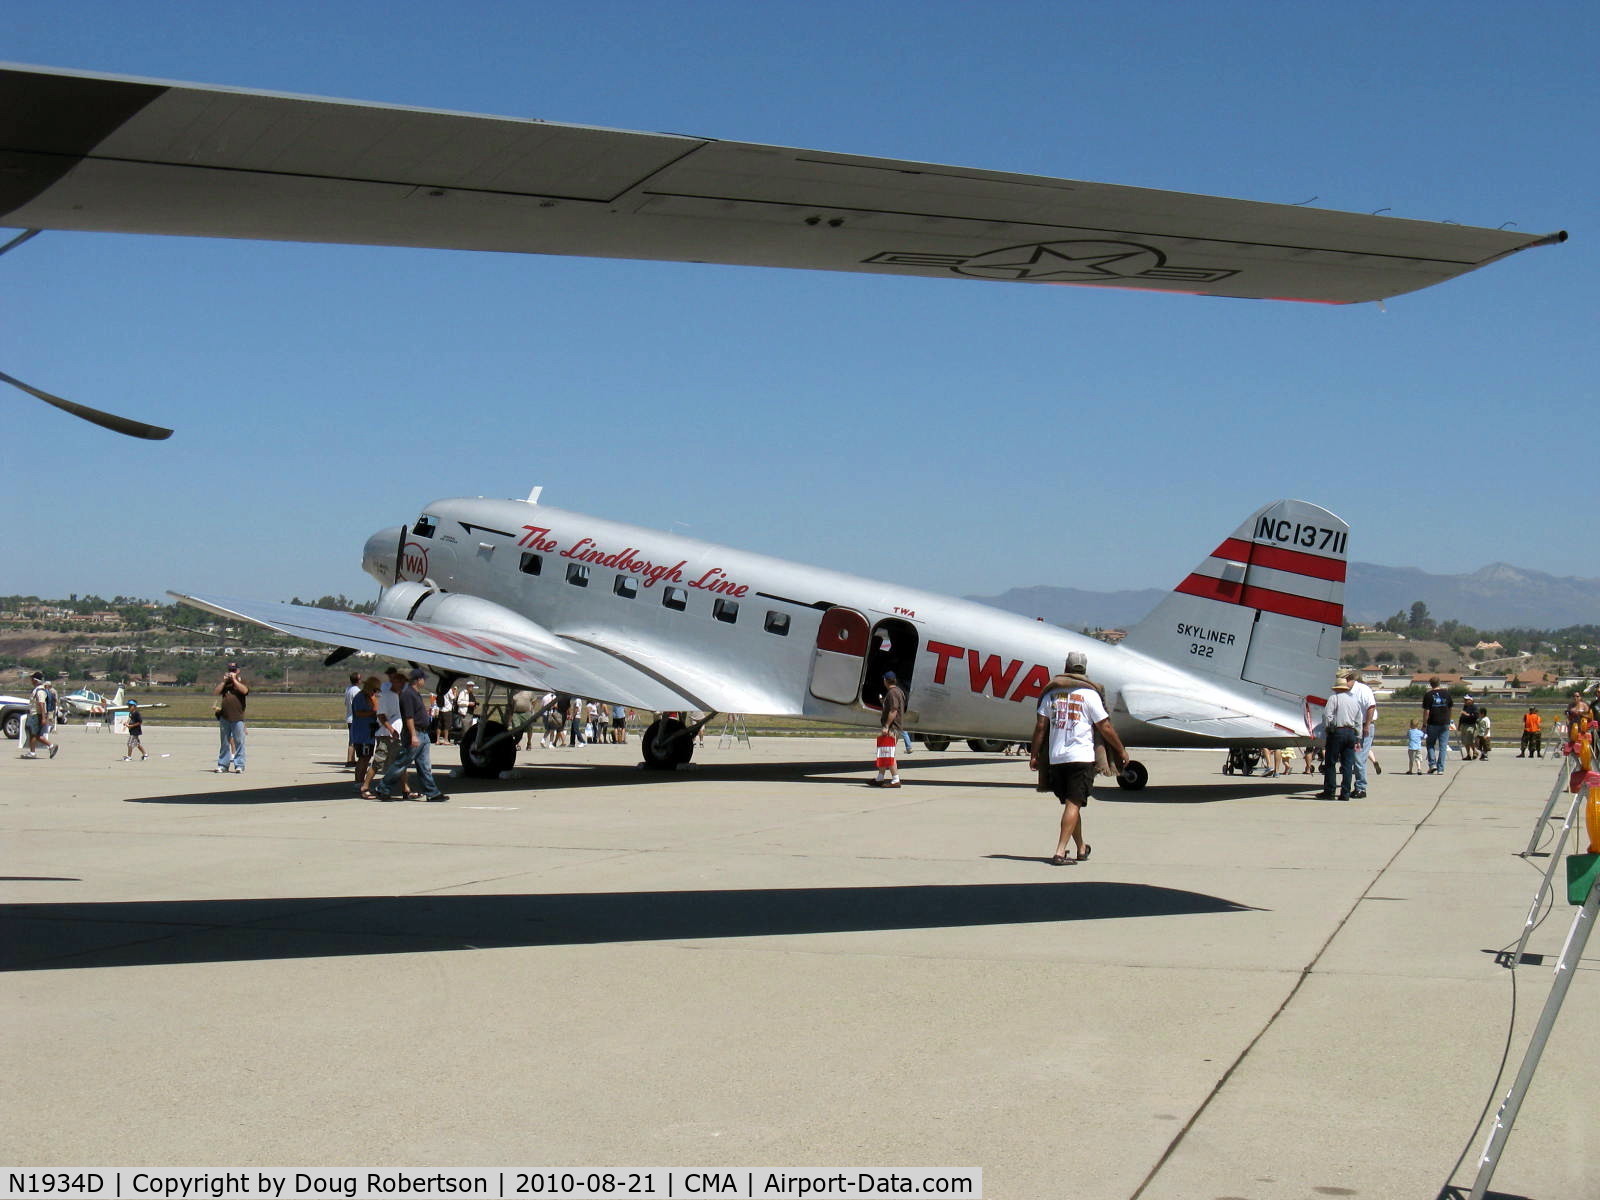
x=500 y=757
x=659 y=753
x=985 y=745
x=936 y=744
x=1133 y=777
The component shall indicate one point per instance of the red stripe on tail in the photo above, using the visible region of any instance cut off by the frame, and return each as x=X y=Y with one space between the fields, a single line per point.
x=1283 y=603
x=1279 y=559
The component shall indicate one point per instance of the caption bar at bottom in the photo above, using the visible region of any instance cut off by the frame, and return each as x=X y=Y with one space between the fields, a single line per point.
x=577 y=1183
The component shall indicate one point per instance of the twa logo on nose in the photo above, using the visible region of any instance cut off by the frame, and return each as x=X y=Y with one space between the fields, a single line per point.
x=413 y=562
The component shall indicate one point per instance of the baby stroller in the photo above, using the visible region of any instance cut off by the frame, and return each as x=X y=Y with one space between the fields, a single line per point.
x=1242 y=760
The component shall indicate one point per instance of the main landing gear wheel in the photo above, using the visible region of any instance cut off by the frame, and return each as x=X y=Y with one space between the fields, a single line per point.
x=666 y=746
x=985 y=745
x=1133 y=776
x=488 y=763
x=936 y=743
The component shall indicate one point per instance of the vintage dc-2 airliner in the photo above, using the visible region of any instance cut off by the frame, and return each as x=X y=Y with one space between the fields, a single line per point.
x=528 y=596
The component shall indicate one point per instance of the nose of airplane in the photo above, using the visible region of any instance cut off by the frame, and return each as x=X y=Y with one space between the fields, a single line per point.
x=381 y=554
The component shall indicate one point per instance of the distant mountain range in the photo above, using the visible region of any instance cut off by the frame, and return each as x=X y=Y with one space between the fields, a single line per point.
x=1498 y=596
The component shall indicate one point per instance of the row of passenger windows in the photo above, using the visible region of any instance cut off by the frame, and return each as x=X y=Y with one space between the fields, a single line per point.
x=676 y=598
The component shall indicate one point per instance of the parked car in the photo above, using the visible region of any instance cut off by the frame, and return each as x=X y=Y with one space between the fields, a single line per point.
x=13 y=711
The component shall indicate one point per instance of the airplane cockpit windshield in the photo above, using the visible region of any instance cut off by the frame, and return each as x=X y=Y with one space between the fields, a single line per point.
x=424 y=527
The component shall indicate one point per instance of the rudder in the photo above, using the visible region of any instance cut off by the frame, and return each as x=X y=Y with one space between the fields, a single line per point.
x=1266 y=607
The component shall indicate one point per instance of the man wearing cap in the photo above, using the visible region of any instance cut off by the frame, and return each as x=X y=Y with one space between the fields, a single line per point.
x=1343 y=725
x=1369 y=728
x=890 y=726
x=415 y=747
x=1071 y=714
x=231 y=693
x=37 y=725
x=1467 y=727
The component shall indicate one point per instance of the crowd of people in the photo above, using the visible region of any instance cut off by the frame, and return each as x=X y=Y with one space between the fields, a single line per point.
x=393 y=720
x=573 y=721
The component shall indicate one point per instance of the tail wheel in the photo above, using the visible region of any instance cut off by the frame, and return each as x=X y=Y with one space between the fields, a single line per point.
x=662 y=750
x=1133 y=777
x=490 y=762
x=985 y=745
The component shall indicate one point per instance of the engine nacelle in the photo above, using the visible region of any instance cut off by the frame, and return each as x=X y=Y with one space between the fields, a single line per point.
x=412 y=601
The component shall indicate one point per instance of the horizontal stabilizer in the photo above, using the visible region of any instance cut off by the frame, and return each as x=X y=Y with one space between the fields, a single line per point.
x=1171 y=709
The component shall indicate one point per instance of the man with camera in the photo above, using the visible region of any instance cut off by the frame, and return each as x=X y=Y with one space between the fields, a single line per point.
x=231 y=693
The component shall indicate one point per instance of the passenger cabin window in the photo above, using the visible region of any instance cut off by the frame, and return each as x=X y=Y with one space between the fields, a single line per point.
x=424 y=527
x=726 y=610
x=578 y=574
x=675 y=597
x=531 y=564
x=625 y=586
x=777 y=623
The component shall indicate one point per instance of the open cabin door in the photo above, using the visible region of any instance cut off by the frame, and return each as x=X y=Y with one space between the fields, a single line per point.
x=840 y=657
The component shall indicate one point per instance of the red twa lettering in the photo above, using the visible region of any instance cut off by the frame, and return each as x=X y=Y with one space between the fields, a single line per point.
x=945 y=652
x=989 y=675
x=397 y=630
x=513 y=653
x=459 y=640
x=1032 y=685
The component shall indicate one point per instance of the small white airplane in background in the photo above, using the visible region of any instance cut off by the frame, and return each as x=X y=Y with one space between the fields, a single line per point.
x=87 y=703
x=82 y=151
x=527 y=596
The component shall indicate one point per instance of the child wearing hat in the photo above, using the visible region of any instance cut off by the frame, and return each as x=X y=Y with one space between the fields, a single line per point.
x=135 y=732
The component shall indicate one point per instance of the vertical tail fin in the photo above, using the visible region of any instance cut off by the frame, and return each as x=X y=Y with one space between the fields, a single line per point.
x=1266 y=607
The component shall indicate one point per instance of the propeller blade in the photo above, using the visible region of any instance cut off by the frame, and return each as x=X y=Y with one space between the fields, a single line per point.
x=94 y=416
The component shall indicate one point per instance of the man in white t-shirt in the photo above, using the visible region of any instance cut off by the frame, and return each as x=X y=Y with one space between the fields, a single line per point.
x=1369 y=708
x=1069 y=718
x=389 y=729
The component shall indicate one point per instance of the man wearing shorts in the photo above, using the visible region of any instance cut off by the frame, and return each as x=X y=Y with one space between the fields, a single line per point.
x=1069 y=719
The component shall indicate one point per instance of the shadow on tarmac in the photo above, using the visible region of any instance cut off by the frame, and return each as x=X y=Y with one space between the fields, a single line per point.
x=48 y=936
x=553 y=775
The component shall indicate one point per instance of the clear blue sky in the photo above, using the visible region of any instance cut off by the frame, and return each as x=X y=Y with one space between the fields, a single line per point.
x=955 y=436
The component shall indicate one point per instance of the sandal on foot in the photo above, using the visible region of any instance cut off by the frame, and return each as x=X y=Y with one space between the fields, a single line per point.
x=1059 y=860
x=1084 y=853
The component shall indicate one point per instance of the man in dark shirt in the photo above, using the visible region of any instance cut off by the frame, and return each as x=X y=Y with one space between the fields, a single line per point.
x=1436 y=706
x=415 y=751
x=231 y=693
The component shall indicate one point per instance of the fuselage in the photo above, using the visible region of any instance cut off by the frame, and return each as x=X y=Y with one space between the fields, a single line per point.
x=751 y=633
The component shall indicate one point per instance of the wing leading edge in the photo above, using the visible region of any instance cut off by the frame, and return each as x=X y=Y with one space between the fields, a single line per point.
x=81 y=151
x=546 y=663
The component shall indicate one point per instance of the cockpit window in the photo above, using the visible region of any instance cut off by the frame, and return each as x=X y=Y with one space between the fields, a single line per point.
x=424 y=527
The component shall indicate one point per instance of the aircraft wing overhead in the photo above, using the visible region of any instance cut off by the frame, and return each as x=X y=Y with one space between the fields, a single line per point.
x=80 y=151
x=547 y=663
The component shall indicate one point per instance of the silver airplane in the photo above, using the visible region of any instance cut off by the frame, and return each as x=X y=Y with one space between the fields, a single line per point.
x=1240 y=653
x=108 y=153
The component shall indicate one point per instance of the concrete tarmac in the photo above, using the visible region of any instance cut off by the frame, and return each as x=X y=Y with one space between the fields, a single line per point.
x=1245 y=994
